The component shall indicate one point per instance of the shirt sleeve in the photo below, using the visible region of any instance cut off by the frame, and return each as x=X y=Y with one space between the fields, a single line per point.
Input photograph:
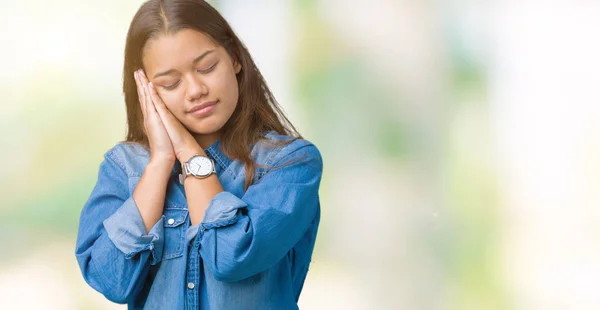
x=240 y=237
x=126 y=229
x=113 y=250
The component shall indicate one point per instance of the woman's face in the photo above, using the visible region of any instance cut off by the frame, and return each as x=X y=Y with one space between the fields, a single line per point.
x=188 y=71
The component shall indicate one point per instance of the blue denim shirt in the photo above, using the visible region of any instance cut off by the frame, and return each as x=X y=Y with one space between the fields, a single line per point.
x=252 y=250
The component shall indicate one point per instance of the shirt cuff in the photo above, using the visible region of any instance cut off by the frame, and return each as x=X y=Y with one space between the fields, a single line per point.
x=223 y=210
x=125 y=228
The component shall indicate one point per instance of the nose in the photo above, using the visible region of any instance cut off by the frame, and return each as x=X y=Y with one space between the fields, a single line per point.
x=196 y=88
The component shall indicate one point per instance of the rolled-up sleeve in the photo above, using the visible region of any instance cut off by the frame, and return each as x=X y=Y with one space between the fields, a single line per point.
x=113 y=250
x=126 y=229
x=242 y=236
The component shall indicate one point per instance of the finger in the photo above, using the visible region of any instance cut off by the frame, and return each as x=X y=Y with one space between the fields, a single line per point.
x=144 y=77
x=170 y=122
x=144 y=80
x=140 y=92
x=149 y=105
x=159 y=105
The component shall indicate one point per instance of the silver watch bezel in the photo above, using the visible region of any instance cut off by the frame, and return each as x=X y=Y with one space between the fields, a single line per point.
x=187 y=171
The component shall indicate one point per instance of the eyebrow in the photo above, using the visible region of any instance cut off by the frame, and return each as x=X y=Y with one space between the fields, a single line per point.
x=197 y=59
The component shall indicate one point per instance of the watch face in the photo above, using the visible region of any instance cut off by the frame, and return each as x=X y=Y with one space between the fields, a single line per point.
x=200 y=166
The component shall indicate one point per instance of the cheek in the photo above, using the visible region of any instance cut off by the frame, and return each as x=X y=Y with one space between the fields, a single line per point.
x=227 y=86
x=173 y=102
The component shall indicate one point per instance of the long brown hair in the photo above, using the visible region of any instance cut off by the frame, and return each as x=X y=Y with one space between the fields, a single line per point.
x=257 y=111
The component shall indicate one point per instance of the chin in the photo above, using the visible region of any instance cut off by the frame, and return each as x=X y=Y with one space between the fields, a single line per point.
x=205 y=129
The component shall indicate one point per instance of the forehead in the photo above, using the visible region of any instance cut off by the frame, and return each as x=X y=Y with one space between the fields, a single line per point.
x=170 y=50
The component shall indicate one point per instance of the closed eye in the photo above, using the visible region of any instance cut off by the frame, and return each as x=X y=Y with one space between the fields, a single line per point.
x=171 y=87
x=209 y=69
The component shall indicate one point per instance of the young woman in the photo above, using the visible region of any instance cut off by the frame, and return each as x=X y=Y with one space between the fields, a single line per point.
x=212 y=201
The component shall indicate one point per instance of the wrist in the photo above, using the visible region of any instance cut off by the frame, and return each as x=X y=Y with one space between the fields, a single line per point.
x=163 y=166
x=188 y=153
x=159 y=159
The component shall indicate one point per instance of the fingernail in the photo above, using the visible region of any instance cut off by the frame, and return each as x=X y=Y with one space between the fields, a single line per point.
x=151 y=85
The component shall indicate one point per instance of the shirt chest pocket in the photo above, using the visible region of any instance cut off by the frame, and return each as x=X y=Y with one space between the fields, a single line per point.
x=175 y=226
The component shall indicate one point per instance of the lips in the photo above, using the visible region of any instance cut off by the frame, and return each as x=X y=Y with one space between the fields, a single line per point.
x=202 y=106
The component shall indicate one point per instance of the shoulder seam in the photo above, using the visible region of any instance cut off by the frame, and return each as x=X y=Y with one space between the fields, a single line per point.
x=280 y=154
x=110 y=156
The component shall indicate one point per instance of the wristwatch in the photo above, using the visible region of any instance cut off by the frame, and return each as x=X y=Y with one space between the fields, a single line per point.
x=198 y=166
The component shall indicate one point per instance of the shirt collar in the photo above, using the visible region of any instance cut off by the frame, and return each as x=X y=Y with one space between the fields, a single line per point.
x=214 y=152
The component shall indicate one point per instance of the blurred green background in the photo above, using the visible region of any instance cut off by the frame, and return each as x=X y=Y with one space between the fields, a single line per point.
x=460 y=140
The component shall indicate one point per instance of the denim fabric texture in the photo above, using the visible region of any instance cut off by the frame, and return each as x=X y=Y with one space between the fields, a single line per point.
x=251 y=251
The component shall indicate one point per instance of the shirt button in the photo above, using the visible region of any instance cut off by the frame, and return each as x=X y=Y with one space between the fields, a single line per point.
x=191 y=285
x=171 y=221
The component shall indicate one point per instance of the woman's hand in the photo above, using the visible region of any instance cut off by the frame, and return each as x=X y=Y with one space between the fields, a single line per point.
x=161 y=148
x=184 y=144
